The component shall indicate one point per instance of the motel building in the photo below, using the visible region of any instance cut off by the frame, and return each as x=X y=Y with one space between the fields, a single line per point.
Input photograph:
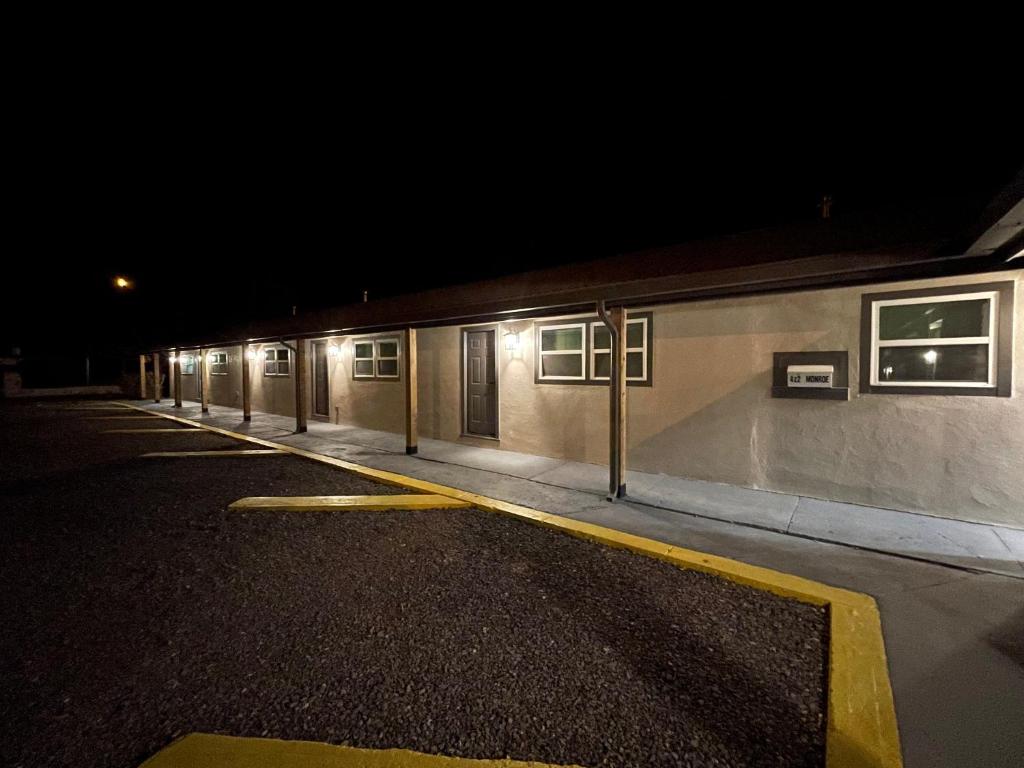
x=863 y=360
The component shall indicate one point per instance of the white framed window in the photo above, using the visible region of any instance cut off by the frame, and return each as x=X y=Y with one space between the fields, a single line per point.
x=636 y=350
x=188 y=365
x=386 y=351
x=376 y=358
x=218 y=362
x=561 y=354
x=276 y=362
x=938 y=340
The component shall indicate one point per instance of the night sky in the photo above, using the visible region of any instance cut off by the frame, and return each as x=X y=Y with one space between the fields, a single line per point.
x=222 y=214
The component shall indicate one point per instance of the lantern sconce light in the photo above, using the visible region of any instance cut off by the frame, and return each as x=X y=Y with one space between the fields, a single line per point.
x=512 y=341
x=251 y=355
x=332 y=350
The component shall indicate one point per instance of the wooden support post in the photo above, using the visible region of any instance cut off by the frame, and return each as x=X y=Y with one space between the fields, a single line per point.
x=142 y=377
x=301 y=386
x=204 y=376
x=617 y=405
x=246 y=385
x=411 y=395
x=156 y=377
x=177 y=378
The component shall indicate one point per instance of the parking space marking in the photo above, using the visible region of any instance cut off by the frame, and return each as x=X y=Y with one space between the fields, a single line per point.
x=345 y=503
x=148 y=431
x=189 y=454
x=862 y=729
x=104 y=418
x=207 y=749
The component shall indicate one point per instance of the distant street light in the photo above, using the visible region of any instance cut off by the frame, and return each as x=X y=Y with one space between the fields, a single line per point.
x=123 y=283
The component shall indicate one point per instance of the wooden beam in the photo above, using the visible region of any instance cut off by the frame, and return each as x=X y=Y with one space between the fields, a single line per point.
x=177 y=378
x=204 y=376
x=617 y=405
x=301 y=384
x=246 y=384
x=142 y=377
x=411 y=394
x=156 y=377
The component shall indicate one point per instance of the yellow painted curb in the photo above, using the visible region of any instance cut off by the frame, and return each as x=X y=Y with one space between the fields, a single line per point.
x=862 y=730
x=189 y=454
x=345 y=503
x=204 y=750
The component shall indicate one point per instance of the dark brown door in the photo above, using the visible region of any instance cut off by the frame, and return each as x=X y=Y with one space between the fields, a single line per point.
x=321 y=385
x=481 y=390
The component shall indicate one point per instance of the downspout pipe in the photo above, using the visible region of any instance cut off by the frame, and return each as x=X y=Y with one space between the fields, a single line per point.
x=616 y=489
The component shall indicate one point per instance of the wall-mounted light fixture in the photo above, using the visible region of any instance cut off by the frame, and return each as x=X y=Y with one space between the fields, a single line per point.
x=332 y=350
x=251 y=355
x=512 y=341
x=172 y=359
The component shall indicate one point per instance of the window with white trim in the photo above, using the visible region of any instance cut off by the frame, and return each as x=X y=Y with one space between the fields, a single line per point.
x=276 y=362
x=636 y=350
x=562 y=355
x=188 y=365
x=376 y=358
x=938 y=340
x=218 y=363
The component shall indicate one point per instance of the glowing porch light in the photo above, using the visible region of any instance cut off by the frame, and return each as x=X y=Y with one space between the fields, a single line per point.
x=512 y=341
x=251 y=355
x=332 y=350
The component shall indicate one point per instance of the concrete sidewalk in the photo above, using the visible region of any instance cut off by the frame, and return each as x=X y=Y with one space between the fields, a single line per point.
x=996 y=549
x=954 y=638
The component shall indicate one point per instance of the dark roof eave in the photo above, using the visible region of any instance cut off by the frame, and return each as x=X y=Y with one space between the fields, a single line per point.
x=815 y=272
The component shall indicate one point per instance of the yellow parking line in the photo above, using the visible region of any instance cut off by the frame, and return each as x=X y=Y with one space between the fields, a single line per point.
x=121 y=418
x=862 y=731
x=206 y=749
x=147 y=431
x=189 y=454
x=344 y=503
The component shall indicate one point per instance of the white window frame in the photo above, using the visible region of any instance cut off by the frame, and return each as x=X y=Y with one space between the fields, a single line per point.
x=378 y=357
x=277 y=361
x=582 y=352
x=594 y=351
x=371 y=358
x=991 y=339
x=213 y=359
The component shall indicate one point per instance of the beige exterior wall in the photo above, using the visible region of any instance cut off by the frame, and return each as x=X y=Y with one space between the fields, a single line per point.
x=270 y=394
x=710 y=414
x=365 y=403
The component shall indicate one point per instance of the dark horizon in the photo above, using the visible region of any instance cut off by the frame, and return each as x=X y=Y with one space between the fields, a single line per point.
x=255 y=248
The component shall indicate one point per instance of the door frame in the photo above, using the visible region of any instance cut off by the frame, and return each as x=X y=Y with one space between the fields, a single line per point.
x=464 y=404
x=312 y=379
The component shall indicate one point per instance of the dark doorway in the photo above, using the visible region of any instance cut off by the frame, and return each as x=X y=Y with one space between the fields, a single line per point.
x=480 y=386
x=321 y=382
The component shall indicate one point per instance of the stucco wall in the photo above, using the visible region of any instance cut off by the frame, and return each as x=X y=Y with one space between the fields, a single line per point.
x=710 y=414
x=270 y=394
x=365 y=403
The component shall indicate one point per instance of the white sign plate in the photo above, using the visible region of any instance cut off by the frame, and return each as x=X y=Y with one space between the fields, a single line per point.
x=809 y=375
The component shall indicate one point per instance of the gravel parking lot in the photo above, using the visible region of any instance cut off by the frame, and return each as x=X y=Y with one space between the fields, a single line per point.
x=135 y=609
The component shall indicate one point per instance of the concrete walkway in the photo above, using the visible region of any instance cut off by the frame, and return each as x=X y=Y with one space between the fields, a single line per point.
x=955 y=638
